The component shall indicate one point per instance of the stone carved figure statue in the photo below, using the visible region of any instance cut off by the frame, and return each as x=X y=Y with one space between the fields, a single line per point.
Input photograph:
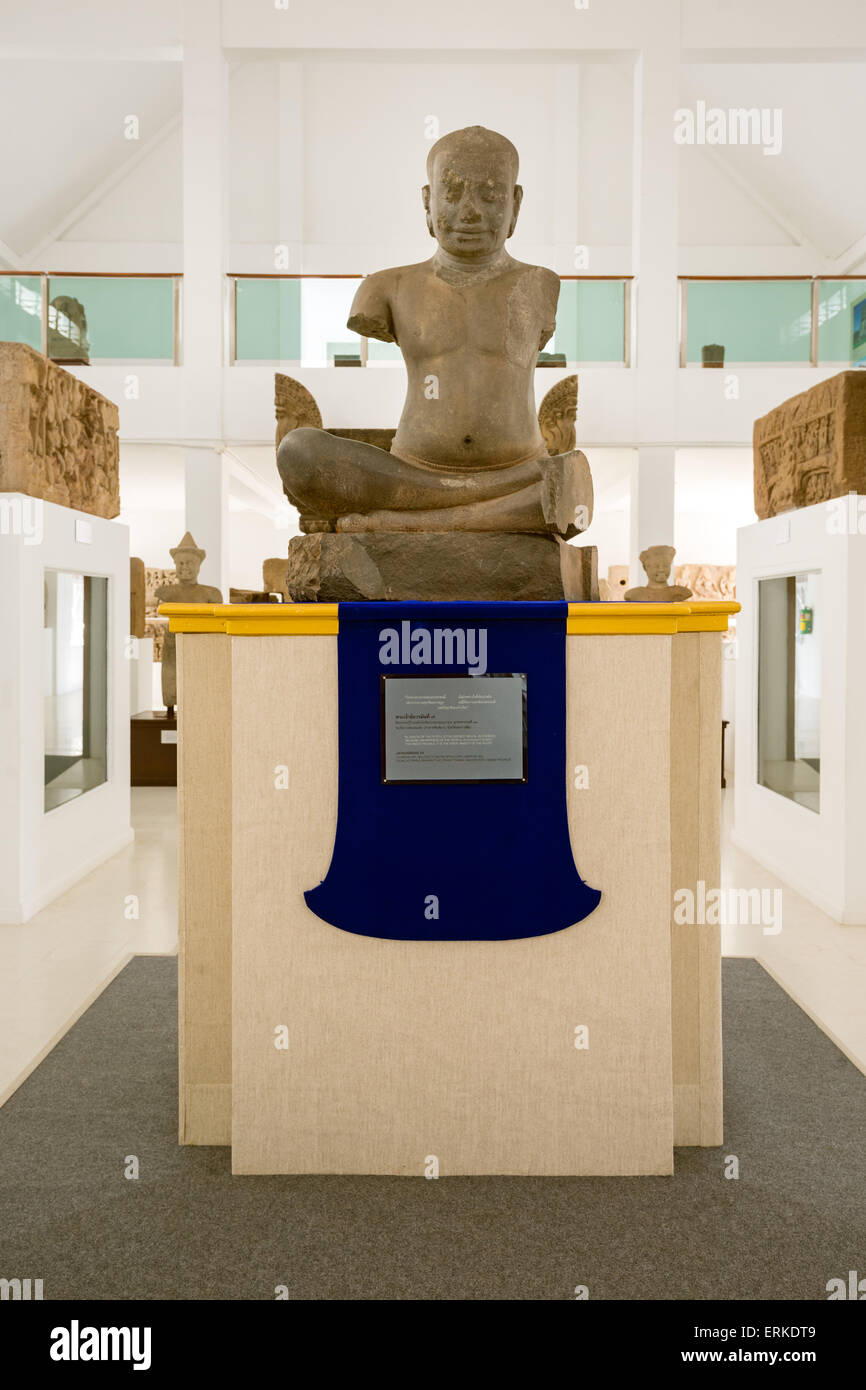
x=67 y=331
x=188 y=560
x=468 y=455
x=557 y=416
x=295 y=406
x=657 y=561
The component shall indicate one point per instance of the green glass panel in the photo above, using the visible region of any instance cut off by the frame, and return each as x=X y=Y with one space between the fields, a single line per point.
x=841 y=321
x=377 y=351
x=347 y=349
x=21 y=310
x=268 y=320
x=590 y=321
x=128 y=319
x=754 y=320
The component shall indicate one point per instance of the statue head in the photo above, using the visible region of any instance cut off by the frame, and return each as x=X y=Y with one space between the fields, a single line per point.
x=472 y=198
x=657 y=561
x=187 y=560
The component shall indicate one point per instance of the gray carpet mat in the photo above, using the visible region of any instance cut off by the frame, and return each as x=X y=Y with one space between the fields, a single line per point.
x=795 y=1117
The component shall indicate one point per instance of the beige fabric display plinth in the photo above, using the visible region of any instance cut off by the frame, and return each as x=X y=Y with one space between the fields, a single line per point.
x=312 y=1050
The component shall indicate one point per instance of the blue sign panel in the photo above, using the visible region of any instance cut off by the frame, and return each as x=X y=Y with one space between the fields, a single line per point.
x=452 y=821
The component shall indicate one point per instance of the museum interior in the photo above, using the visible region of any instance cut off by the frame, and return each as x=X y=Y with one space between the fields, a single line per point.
x=643 y=1082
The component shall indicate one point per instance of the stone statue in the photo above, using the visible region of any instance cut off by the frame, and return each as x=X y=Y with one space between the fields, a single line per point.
x=186 y=589
x=67 y=331
x=812 y=447
x=557 y=416
x=295 y=406
x=274 y=574
x=714 y=582
x=468 y=456
x=657 y=561
x=136 y=597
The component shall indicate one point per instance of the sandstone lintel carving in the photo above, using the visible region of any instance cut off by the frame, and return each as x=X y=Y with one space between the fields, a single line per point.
x=812 y=447
x=58 y=437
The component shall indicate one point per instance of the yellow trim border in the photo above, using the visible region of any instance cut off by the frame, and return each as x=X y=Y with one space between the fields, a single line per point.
x=322 y=619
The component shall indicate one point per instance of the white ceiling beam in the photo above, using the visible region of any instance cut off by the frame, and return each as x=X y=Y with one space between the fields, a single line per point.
x=101 y=190
x=782 y=220
x=86 y=54
x=848 y=262
x=12 y=259
x=253 y=481
x=813 y=53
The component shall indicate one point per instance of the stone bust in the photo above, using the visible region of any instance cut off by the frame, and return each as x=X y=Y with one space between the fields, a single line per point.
x=188 y=560
x=657 y=561
x=468 y=454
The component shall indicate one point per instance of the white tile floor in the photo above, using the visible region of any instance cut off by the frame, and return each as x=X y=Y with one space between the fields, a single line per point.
x=53 y=967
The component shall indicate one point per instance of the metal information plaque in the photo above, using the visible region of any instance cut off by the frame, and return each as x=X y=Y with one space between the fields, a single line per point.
x=454 y=728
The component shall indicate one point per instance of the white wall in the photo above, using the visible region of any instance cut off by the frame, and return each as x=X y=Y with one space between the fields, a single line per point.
x=152 y=497
x=819 y=854
x=42 y=854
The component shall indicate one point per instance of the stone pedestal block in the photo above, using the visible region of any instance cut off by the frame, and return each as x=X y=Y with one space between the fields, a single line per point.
x=338 y=568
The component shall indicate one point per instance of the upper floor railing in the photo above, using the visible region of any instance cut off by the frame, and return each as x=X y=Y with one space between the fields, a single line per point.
x=98 y=318
x=786 y=321
x=301 y=319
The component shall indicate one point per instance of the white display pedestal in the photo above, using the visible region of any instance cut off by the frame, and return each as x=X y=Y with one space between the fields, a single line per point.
x=402 y=1052
x=44 y=853
x=819 y=853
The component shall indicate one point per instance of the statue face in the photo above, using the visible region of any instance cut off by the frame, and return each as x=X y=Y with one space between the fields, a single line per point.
x=472 y=203
x=657 y=569
x=187 y=567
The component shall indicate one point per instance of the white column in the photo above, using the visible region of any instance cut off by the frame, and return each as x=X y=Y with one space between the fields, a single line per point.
x=206 y=477
x=655 y=264
x=291 y=162
x=205 y=261
x=652 y=504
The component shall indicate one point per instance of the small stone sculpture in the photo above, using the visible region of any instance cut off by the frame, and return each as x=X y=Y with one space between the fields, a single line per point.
x=295 y=406
x=136 y=597
x=557 y=416
x=188 y=561
x=67 y=331
x=274 y=576
x=657 y=561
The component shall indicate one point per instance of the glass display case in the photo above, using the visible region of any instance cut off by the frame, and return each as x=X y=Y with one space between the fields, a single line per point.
x=75 y=689
x=789 y=687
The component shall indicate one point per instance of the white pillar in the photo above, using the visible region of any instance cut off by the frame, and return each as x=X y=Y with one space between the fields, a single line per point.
x=652 y=504
x=655 y=265
x=291 y=162
x=206 y=476
x=205 y=261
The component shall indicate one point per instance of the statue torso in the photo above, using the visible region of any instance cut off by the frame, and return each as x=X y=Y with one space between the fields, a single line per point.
x=470 y=348
x=188 y=593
